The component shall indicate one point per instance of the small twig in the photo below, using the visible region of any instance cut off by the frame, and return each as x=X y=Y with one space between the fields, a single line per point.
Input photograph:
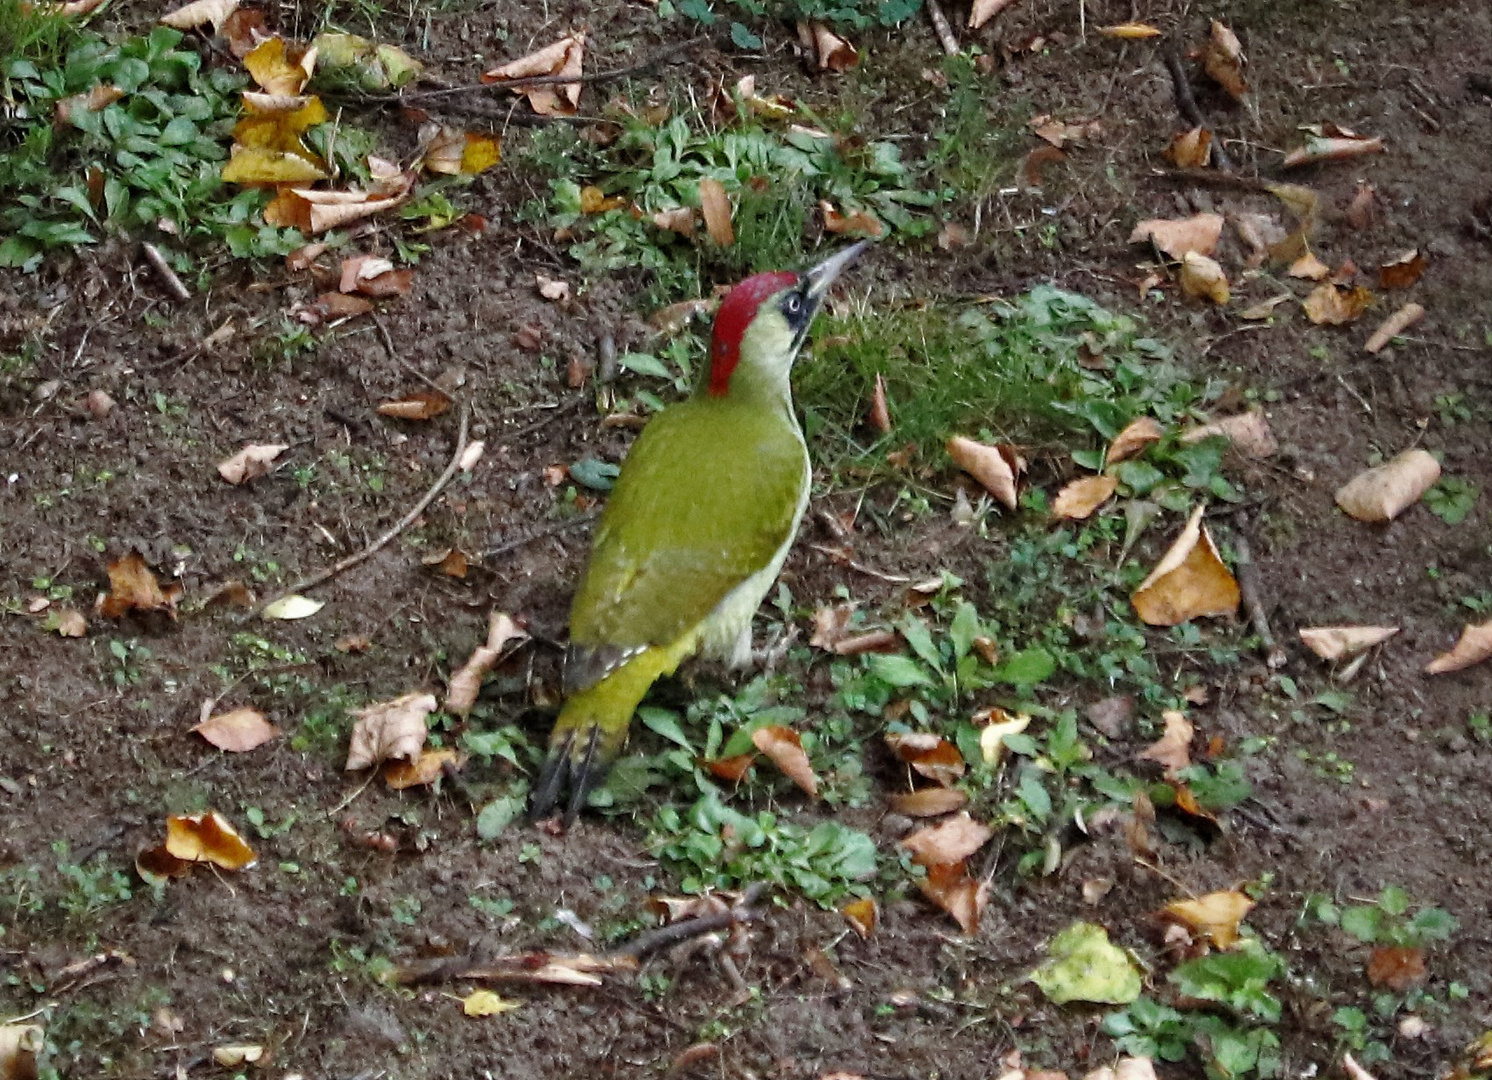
x=1186 y=104
x=552 y=529
x=944 y=31
x=563 y=80
x=164 y=272
x=322 y=576
x=1248 y=588
x=645 y=944
x=544 y=421
x=388 y=344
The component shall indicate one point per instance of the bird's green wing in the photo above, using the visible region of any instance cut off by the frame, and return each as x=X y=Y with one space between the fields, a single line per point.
x=706 y=498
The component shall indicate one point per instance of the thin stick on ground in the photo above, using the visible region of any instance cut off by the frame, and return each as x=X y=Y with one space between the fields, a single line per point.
x=1248 y=588
x=163 y=271
x=942 y=28
x=341 y=565
x=1186 y=104
x=388 y=344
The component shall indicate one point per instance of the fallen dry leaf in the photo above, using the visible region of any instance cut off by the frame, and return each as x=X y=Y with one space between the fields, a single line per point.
x=466 y=683
x=1261 y=233
x=1393 y=326
x=68 y=623
x=785 y=749
x=1474 y=646
x=1248 y=433
x=1329 y=305
x=928 y=754
x=281 y=67
x=200 y=13
x=1340 y=642
x=982 y=11
x=1222 y=60
x=1082 y=496
x=132 y=587
x=1309 y=268
x=880 y=412
x=1324 y=147
x=1173 y=749
x=99 y=97
x=237 y=1055
x=1402 y=271
x=254 y=460
x=861 y=915
x=372 y=276
x=1130 y=31
x=98 y=403
x=1264 y=309
x=953 y=236
x=995 y=467
x=855 y=223
x=552 y=289
x=1178 y=236
x=423 y=771
x=237 y=731
x=595 y=201
x=450 y=151
x=716 y=207
x=452 y=562
x=680 y=220
x=1201 y=276
x=1384 y=492
x=1216 y=915
x=998 y=724
x=732 y=769
x=207 y=837
x=486 y=1003
x=420 y=405
x=389 y=730
x=833 y=52
x=1191 y=149
x=293 y=606
x=948 y=842
x=949 y=886
x=1059 y=133
x=1028 y=178
x=1362 y=209
x=1397 y=967
x=1189 y=582
x=928 y=802
x=1353 y=1070
x=1132 y=441
x=565 y=57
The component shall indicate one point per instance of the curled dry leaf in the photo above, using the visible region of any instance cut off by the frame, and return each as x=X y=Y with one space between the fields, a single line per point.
x=68 y=623
x=1353 y=1070
x=928 y=754
x=992 y=734
x=194 y=838
x=420 y=405
x=1393 y=326
x=949 y=886
x=565 y=57
x=948 y=842
x=1133 y=440
x=389 y=730
x=253 y=461
x=732 y=769
x=292 y=607
x=996 y=467
x=1189 y=582
x=928 y=802
x=553 y=289
x=1222 y=59
x=1384 y=492
x=280 y=67
x=452 y=152
x=486 y=1003
x=132 y=587
x=466 y=683
x=1309 y=268
x=716 y=207
x=982 y=11
x=20 y=1044
x=1402 y=271
x=855 y=223
x=595 y=201
x=1130 y=31
x=680 y=220
x=1082 y=496
x=200 y=13
x=1340 y=642
x=785 y=748
x=237 y=730
x=1202 y=276
x=1397 y=967
x=1216 y=915
x=861 y=915
x=832 y=52
x=1474 y=646
x=452 y=562
x=1178 y=236
x=423 y=771
x=237 y=1055
x=1028 y=178
x=880 y=411
x=1321 y=147
x=1173 y=749
x=1191 y=149
x=373 y=276
x=1332 y=306
x=1248 y=433
x=98 y=403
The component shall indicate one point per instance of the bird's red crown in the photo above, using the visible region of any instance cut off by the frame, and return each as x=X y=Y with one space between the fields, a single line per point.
x=736 y=312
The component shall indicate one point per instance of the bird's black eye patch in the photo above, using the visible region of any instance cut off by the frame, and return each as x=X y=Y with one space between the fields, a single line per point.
x=797 y=310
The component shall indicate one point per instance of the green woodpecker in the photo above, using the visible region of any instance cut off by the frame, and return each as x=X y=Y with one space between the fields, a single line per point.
x=698 y=525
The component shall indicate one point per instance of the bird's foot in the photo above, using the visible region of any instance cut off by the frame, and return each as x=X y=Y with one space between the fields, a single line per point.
x=574 y=762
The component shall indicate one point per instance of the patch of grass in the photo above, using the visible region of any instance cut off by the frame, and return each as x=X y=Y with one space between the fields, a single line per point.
x=972 y=154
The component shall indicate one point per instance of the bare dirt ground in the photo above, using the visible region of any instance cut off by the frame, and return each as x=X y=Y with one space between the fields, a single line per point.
x=94 y=749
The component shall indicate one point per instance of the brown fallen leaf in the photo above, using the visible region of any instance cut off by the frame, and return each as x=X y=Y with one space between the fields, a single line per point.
x=1028 y=177
x=1393 y=326
x=862 y=916
x=449 y=151
x=253 y=461
x=1264 y=309
x=855 y=223
x=1321 y=147
x=1340 y=642
x=466 y=683
x=420 y=405
x=99 y=97
x=552 y=289
x=1216 y=915
x=207 y=837
x=982 y=11
x=949 y=886
x=1402 y=271
x=880 y=412
x=996 y=467
x=423 y=771
x=732 y=769
x=1248 y=433
x=1189 y=582
x=1397 y=967
x=200 y=13
x=132 y=587
x=1059 y=132
x=832 y=52
x=1261 y=233
x=237 y=731
x=1474 y=646
x=1204 y=277
x=452 y=562
x=563 y=58
x=389 y=730
x=1222 y=60
x=373 y=276
x=948 y=842
x=1173 y=749
x=1130 y=31
x=953 y=236
x=1191 y=149
x=928 y=754
x=1176 y=237
x=68 y=623
x=680 y=220
x=1384 y=492
x=1133 y=440
x=1331 y=306
x=1111 y=715
x=1362 y=209
x=1082 y=496
x=1309 y=268
x=715 y=204
x=928 y=802
x=783 y=746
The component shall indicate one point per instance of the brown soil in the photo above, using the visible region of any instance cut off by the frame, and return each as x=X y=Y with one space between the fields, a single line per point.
x=277 y=956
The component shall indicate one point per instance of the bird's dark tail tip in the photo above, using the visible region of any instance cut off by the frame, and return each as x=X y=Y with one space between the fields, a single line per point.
x=565 y=768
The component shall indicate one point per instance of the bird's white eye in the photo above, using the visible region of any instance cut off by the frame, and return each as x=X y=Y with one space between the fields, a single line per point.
x=794 y=304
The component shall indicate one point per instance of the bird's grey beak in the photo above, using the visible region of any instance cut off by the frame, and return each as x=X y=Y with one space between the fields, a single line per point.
x=823 y=275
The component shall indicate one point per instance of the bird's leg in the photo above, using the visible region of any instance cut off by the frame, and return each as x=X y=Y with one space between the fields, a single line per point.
x=584 y=777
x=552 y=778
x=740 y=652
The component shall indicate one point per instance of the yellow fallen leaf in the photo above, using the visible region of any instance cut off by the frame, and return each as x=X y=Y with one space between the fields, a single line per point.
x=1216 y=915
x=855 y=223
x=992 y=735
x=928 y=802
x=20 y=1044
x=486 y=1003
x=255 y=165
x=1339 y=642
x=1082 y=496
x=280 y=67
x=1322 y=148
x=1201 y=276
x=1189 y=582
x=232 y=1057
x=207 y=837
x=293 y=606
x=1384 y=492
x=423 y=771
x=1474 y=646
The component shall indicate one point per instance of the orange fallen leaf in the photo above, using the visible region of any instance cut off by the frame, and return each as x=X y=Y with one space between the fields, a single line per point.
x=1384 y=492
x=207 y=837
x=928 y=754
x=833 y=52
x=949 y=886
x=420 y=405
x=254 y=460
x=1189 y=582
x=949 y=842
x=1191 y=149
x=1178 y=236
x=783 y=746
x=1173 y=749
x=1029 y=177
x=132 y=587
x=452 y=562
x=388 y=730
x=1133 y=440
x=1474 y=646
x=466 y=683
x=1332 y=306
x=1340 y=642
x=1201 y=276
x=1309 y=268
x=1393 y=326
x=982 y=11
x=1397 y=967
x=717 y=211
x=996 y=467
x=861 y=915
x=1402 y=271
x=855 y=223
x=1222 y=60
x=928 y=802
x=1130 y=31
x=423 y=771
x=565 y=57
x=1217 y=915
x=732 y=769
x=1082 y=496
x=1321 y=148
x=237 y=731
x=1248 y=433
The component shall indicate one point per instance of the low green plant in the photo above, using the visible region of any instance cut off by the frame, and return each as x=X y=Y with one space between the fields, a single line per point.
x=1452 y=499
x=1386 y=920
